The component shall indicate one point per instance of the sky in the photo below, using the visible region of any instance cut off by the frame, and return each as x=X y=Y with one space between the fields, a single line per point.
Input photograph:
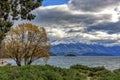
x=53 y=2
x=80 y=21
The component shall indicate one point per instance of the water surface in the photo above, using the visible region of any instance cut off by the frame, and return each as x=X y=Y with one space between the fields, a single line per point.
x=110 y=62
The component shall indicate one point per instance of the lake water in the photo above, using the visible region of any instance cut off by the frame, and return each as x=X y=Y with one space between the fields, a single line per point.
x=112 y=62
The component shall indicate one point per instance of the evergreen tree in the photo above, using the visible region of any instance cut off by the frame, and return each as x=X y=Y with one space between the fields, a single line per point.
x=13 y=10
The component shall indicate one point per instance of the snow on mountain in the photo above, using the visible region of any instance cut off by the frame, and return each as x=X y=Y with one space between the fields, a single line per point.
x=82 y=49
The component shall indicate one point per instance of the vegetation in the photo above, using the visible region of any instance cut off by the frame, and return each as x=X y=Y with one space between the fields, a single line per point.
x=47 y=72
x=26 y=43
x=97 y=73
x=39 y=73
x=13 y=10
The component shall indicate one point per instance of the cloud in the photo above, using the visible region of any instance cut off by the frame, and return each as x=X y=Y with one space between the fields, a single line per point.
x=93 y=5
x=84 y=21
x=63 y=15
x=109 y=27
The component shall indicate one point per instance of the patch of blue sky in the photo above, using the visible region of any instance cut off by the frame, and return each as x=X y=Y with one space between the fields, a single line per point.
x=54 y=2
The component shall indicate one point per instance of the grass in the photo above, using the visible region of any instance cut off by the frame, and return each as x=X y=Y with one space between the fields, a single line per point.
x=47 y=72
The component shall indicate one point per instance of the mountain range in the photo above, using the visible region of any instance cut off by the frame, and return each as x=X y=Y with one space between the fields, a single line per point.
x=82 y=49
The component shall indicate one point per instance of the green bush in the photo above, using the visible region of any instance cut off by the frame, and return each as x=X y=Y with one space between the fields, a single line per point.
x=97 y=73
x=52 y=75
x=47 y=72
x=38 y=72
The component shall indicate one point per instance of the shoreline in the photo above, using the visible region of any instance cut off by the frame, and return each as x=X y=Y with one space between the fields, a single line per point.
x=111 y=63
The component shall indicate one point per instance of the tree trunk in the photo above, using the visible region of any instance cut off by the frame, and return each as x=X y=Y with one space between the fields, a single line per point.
x=29 y=62
x=25 y=61
x=18 y=63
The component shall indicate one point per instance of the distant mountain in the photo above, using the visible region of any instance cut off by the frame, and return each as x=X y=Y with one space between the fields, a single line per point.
x=52 y=54
x=96 y=54
x=81 y=49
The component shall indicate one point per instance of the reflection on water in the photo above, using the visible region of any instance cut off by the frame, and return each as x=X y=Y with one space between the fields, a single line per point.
x=111 y=62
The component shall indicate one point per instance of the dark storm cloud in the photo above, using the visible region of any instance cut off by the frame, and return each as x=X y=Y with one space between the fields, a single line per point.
x=60 y=17
x=109 y=27
x=92 y=5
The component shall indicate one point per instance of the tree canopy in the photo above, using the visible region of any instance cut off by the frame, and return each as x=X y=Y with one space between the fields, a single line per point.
x=26 y=43
x=13 y=10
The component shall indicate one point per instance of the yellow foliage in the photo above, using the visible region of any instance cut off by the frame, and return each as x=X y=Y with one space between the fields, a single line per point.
x=26 y=42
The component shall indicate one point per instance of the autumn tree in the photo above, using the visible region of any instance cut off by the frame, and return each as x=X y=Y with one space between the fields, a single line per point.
x=11 y=10
x=26 y=43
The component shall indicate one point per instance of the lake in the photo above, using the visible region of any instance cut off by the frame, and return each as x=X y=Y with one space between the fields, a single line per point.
x=110 y=62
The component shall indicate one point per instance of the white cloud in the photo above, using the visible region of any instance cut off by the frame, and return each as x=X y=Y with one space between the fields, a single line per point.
x=57 y=32
x=86 y=21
